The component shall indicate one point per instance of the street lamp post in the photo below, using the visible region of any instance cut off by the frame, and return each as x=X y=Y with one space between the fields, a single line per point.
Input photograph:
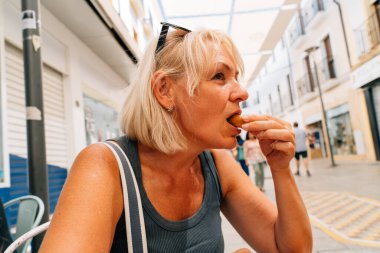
x=309 y=51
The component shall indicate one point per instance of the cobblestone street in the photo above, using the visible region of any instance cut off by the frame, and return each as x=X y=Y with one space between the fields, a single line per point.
x=343 y=204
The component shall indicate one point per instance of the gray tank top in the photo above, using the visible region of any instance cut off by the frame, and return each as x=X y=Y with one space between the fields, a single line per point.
x=201 y=232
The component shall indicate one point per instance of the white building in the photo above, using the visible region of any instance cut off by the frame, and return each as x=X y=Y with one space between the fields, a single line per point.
x=89 y=54
x=288 y=84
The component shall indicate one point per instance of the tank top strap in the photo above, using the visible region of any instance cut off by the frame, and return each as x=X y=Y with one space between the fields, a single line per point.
x=214 y=172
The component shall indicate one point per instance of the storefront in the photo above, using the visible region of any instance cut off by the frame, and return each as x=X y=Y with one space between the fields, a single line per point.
x=367 y=77
x=340 y=130
x=314 y=129
x=316 y=143
x=372 y=95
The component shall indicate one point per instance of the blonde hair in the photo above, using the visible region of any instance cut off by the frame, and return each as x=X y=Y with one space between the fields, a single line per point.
x=188 y=55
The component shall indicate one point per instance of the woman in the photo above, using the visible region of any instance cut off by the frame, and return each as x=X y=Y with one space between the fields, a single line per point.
x=185 y=90
x=255 y=159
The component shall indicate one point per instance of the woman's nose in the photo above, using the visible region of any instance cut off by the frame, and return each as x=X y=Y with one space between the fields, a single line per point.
x=239 y=93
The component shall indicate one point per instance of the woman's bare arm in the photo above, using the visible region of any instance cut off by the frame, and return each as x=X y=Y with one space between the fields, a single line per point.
x=247 y=209
x=285 y=228
x=89 y=206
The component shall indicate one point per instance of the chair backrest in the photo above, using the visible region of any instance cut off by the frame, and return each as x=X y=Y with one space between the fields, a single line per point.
x=27 y=237
x=30 y=212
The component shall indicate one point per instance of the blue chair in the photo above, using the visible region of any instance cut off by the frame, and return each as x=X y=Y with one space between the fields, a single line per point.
x=30 y=212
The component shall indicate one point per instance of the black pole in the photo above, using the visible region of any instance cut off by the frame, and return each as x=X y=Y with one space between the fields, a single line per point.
x=333 y=164
x=38 y=177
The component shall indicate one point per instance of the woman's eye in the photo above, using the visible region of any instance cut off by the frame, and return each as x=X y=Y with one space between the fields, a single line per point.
x=218 y=76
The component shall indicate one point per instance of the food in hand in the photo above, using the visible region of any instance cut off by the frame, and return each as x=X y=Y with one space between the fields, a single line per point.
x=236 y=120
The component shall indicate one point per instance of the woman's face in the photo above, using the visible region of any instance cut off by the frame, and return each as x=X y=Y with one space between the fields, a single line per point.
x=203 y=117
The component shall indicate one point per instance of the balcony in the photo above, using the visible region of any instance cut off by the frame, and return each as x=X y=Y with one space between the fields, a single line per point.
x=305 y=85
x=367 y=35
x=308 y=83
x=326 y=70
x=313 y=9
x=296 y=30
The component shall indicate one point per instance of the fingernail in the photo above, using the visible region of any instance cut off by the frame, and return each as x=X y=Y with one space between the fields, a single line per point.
x=245 y=126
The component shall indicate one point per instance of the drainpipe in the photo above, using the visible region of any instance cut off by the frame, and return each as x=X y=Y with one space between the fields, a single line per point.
x=344 y=31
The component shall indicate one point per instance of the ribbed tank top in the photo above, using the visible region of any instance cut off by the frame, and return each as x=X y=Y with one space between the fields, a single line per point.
x=201 y=232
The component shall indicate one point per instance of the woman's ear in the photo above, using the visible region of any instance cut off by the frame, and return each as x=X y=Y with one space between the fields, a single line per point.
x=162 y=86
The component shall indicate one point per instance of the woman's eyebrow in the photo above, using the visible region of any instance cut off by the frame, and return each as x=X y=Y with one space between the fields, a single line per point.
x=226 y=66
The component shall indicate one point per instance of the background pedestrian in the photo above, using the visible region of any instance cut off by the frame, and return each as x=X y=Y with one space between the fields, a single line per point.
x=301 y=149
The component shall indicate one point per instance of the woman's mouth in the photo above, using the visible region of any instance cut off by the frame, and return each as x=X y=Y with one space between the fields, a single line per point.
x=236 y=120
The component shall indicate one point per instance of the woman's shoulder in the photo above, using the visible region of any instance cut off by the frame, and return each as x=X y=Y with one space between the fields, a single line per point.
x=96 y=158
x=95 y=166
x=98 y=152
x=229 y=170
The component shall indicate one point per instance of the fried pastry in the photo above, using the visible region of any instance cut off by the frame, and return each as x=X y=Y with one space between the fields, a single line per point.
x=236 y=120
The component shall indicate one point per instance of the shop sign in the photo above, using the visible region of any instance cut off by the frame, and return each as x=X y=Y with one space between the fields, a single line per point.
x=366 y=73
x=313 y=118
x=337 y=111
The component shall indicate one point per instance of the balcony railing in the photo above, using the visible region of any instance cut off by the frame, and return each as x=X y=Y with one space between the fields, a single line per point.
x=308 y=83
x=312 y=8
x=326 y=69
x=296 y=29
x=367 y=35
x=305 y=84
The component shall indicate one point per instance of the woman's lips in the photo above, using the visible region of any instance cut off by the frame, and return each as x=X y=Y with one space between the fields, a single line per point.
x=236 y=120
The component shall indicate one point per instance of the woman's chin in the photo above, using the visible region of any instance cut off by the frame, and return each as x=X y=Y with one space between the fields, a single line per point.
x=230 y=144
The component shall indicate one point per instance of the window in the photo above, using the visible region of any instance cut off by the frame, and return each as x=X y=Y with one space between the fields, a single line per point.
x=100 y=120
x=280 y=98
x=309 y=78
x=321 y=6
x=290 y=90
x=329 y=58
x=375 y=34
x=270 y=104
x=258 y=97
x=376 y=6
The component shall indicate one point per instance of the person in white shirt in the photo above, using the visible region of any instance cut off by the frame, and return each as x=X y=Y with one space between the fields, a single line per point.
x=301 y=149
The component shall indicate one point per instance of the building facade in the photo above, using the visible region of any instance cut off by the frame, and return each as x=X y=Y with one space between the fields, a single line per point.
x=89 y=54
x=326 y=45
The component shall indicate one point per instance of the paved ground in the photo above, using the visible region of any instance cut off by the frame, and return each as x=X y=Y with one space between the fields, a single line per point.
x=343 y=204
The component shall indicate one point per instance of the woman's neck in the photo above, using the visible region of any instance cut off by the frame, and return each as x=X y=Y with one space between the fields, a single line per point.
x=153 y=158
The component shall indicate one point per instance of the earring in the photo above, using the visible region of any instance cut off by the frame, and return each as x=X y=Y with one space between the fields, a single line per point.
x=170 y=109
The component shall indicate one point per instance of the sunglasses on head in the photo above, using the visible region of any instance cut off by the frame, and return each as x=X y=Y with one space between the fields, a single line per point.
x=164 y=33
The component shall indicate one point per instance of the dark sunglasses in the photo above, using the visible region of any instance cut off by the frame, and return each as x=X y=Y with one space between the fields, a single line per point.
x=164 y=33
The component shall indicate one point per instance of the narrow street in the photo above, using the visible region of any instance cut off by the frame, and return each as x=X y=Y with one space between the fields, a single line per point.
x=343 y=203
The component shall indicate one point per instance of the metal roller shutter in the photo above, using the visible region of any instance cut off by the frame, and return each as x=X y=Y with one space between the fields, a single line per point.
x=55 y=127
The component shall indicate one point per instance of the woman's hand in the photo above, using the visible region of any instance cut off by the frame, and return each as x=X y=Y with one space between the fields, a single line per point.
x=276 y=139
